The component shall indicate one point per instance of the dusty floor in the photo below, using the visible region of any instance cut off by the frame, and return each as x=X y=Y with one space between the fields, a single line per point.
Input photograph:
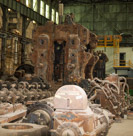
x=122 y=129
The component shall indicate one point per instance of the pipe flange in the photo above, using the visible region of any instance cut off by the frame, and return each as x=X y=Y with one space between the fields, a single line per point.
x=68 y=129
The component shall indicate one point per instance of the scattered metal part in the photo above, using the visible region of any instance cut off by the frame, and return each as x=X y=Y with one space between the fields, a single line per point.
x=24 y=91
x=41 y=113
x=112 y=93
x=10 y=112
x=23 y=129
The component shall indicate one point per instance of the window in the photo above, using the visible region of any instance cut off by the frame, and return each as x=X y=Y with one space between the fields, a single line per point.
x=27 y=3
x=47 y=11
x=53 y=15
x=35 y=5
x=42 y=7
x=122 y=59
x=57 y=18
x=22 y=1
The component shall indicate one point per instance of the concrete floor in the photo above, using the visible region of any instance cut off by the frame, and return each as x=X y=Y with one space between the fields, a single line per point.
x=125 y=128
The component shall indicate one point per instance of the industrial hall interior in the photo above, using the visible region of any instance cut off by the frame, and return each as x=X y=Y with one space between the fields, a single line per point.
x=66 y=67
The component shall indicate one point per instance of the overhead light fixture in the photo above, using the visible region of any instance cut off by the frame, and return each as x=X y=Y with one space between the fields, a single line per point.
x=9 y=9
x=126 y=34
x=34 y=22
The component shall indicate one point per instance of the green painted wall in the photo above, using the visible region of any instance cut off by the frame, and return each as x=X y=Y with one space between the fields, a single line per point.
x=105 y=18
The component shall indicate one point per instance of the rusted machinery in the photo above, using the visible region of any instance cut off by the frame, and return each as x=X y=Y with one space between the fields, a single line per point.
x=100 y=67
x=23 y=92
x=74 y=116
x=65 y=54
x=41 y=113
x=112 y=93
x=70 y=113
x=62 y=52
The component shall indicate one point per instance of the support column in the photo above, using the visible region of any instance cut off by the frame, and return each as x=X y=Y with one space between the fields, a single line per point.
x=50 y=9
x=4 y=38
x=23 y=43
x=25 y=24
x=38 y=6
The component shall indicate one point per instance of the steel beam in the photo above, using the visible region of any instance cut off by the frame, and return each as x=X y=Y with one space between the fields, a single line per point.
x=22 y=9
x=4 y=34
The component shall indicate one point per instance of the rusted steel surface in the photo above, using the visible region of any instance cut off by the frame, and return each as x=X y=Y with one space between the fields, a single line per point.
x=7 y=108
x=41 y=113
x=112 y=93
x=90 y=66
x=75 y=116
x=62 y=52
x=100 y=67
x=10 y=112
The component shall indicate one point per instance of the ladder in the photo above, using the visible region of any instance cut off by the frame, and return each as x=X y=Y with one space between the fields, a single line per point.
x=116 y=51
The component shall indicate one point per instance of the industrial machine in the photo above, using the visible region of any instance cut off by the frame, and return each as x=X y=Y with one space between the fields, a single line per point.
x=62 y=52
x=67 y=113
x=74 y=116
x=112 y=93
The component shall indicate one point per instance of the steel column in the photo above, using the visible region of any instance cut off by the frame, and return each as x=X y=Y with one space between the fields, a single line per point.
x=3 y=47
x=23 y=43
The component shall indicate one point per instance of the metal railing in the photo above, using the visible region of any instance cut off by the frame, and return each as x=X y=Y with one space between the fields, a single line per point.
x=108 y=40
x=124 y=64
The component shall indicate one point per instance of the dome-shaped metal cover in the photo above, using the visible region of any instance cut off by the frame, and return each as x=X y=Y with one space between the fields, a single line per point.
x=70 y=97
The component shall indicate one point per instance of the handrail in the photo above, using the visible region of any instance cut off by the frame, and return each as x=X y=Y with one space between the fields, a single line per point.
x=125 y=64
x=108 y=40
